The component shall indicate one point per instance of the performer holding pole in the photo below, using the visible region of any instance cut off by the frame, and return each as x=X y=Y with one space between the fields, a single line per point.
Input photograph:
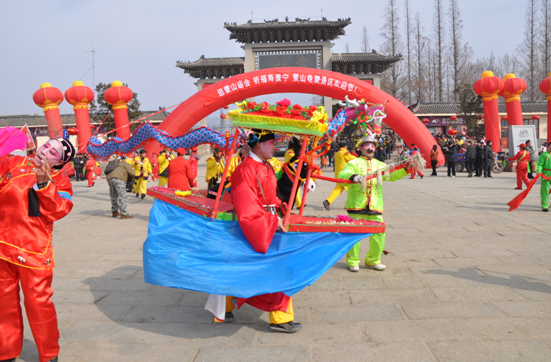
x=522 y=158
x=31 y=200
x=365 y=201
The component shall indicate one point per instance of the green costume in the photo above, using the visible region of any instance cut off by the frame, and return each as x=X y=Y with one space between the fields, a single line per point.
x=371 y=198
x=544 y=167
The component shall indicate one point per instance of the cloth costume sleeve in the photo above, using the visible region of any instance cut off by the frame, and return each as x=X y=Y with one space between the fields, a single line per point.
x=189 y=174
x=347 y=172
x=516 y=157
x=349 y=157
x=147 y=166
x=55 y=199
x=212 y=169
x=258 y=225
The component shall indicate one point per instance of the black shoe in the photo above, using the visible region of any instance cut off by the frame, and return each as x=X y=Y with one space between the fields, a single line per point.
x=8 y=360
x=229 y=318
x=290 y=327
x=137 y=195
x=143 y=196
x=490 y=176
x=326 y=205
x=545 y=210
x=371 y=212
x=53 y=359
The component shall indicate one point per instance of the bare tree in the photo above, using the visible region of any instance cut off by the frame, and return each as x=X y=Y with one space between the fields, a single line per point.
x=392 y=80
x=528 y=51
x=365 y=40
x=545 y=31
x=419 y=47
x=460 y=54
x=506 y=64
x=408 y=48
x=439 y=37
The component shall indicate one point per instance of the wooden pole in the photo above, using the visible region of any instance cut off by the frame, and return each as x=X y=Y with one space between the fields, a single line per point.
x=295 y=182
x=224 y=175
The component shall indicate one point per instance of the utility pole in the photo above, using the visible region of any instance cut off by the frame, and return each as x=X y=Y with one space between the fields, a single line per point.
x=321 y=11
x=93 y=67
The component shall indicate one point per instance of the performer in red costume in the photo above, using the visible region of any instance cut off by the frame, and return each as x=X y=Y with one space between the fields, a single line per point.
x=180 y=176
x=30 y=201
x=256 y=204
x=193 y=160
x=522 y=158
x=90 y=165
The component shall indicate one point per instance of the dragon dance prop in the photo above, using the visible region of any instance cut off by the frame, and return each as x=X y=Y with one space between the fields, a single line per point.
x=147 y=132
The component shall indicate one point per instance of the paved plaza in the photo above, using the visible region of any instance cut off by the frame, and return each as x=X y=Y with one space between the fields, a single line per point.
x=466 y=280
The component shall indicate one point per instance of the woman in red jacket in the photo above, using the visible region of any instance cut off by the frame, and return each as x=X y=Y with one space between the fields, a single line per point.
x=180 y=176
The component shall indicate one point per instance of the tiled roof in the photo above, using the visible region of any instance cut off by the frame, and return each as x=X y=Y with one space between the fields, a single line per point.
x=66 y=119
x=213 y=68
x=362 y=63
x=272 y=31
x=453 y=108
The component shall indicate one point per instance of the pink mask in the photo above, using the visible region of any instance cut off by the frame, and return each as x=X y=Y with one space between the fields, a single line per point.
x=50 y=152
x=368 y=147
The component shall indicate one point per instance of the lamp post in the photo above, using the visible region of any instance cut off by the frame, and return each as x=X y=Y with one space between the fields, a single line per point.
x=489 y=87
x=80 y=96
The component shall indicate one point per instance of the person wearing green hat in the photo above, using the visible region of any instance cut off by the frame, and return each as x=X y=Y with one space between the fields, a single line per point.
x=365 y=202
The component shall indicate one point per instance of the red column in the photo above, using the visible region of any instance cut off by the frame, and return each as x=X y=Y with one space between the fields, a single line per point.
x=49 y=98
x=488 y=87
x=80 y=96
x=545 y=88
x=118 y=96
x=512 y=89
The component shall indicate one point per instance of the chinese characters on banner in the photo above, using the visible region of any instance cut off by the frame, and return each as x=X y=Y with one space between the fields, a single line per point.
x=30 y=141
x=275 y=78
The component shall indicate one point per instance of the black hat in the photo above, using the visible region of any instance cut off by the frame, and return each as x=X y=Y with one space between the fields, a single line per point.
x=68 y=152
x=259 y=136
x=142 y=151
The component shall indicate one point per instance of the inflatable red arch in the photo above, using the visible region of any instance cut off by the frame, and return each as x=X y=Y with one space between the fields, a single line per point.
x=297 y=80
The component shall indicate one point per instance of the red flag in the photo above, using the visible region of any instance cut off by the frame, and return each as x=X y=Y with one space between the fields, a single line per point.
x=514 y=203
x=30 y=141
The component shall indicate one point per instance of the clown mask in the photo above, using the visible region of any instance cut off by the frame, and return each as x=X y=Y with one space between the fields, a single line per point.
x=368 y=149
x=50 y=153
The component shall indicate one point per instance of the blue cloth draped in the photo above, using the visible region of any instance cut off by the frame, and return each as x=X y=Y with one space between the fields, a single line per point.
x=187 y=251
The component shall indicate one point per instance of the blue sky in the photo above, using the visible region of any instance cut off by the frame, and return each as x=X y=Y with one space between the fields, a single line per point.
x=139 y=42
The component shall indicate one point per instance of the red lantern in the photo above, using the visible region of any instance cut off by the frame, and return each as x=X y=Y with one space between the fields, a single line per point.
x=504 y=118
x=47 y=97
x=535 y=117
x=79 y=95
x=480 y=116
x=453 y=118
x=73 y=131
x=226 y=107
x=223 y=116
x=426 y=120
x=452 y=132
x=118 y=96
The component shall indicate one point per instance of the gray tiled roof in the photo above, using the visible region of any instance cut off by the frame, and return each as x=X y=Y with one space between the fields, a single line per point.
x=362 y=63
x=453 y=108
x=66 y=119
x=213 y=68
x=287 y=31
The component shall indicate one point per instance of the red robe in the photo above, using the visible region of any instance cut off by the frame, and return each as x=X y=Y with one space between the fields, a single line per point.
x=180 y=176
x=258 y=225
x=21 y=235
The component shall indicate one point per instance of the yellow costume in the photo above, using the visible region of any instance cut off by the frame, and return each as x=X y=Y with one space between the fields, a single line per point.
x=288 y=155
x=143 y=170
x=342 y=157
x=215 y=168
x=163 y=165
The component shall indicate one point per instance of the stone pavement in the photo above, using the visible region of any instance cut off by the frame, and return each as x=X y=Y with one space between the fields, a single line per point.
x=465 y=281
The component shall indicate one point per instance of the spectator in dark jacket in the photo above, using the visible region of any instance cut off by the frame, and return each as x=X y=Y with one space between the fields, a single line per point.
x=479 y=159
x=470 y=157
x=449 y=151
x=381 y=154
x=488 y=159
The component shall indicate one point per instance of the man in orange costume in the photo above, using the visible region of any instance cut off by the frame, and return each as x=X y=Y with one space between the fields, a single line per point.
x=30 y=201
x=180 y=176
x=90 y=165
x=522 y=158
x=254 y=194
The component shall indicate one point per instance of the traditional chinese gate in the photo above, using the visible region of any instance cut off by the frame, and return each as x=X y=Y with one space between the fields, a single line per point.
x=297 y=80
